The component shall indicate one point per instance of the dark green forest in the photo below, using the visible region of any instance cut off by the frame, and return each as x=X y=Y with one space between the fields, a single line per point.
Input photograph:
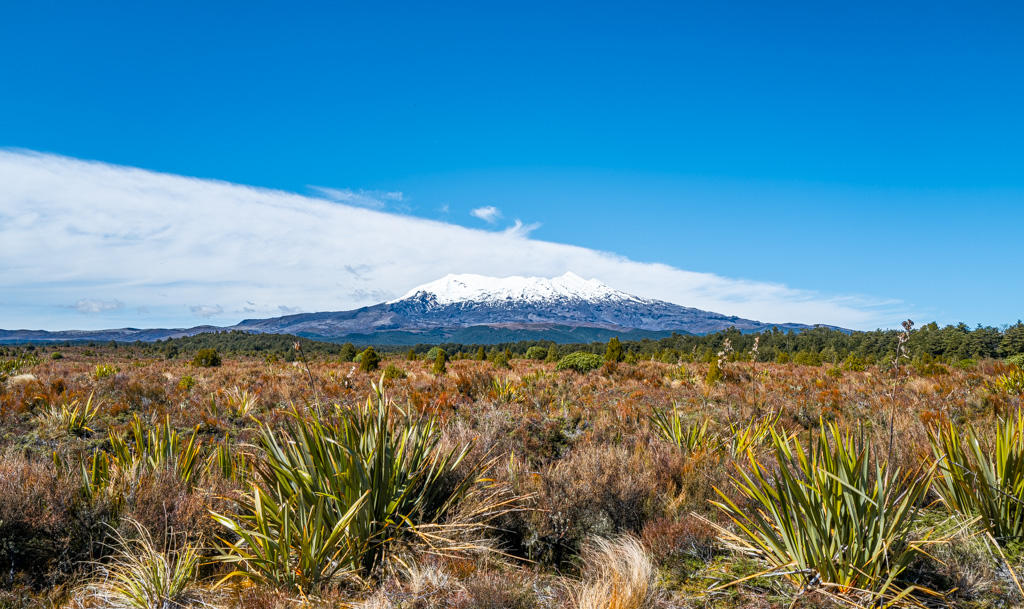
x=950 y=344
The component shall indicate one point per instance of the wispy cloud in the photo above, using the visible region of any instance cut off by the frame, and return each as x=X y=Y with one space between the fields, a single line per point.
x=374 y=199
x=206 y=311
x=521 y=230
x=91 y=306
x=166 y=242
x=488 y=213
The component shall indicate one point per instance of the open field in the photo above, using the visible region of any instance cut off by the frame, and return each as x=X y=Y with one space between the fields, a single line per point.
x=481 y=485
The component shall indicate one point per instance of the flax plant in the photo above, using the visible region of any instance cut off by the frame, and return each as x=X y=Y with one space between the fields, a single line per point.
x=71 y=419
x=974 y=480
x=331 y=494
x=691 y=438
x=158 y=448
x=834 y=519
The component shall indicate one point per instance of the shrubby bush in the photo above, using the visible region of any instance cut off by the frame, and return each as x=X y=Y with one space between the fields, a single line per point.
x=206 y=358
x=537 y=353
x=581 y=362
x=369 y=361
x=393 y=372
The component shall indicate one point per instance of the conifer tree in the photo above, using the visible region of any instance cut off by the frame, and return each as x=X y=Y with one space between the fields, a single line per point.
x=614 y=353
x=369 y=360
x=440 y=363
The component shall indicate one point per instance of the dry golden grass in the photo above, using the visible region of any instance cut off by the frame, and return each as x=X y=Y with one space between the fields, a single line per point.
x=617 y=574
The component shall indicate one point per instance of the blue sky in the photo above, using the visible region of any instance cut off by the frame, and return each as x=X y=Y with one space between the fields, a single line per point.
x=866 y=152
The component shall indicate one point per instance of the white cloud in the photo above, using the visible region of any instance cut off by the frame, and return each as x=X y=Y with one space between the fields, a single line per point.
x=91 y=306
x=488 y=213
x=521 y=230
x=206 y=311
x=164 y=242
x=375 y=199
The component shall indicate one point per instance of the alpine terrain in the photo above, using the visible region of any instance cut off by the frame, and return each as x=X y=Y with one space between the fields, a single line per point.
x=475 y=309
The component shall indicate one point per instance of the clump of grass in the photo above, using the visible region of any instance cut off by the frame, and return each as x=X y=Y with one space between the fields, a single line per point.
x=1012 y=382
x=242 y=402
x=835 y=519
x=104 y=370
x=506 y=390
x=617 y=574
x=72 y=419
x=139 y=576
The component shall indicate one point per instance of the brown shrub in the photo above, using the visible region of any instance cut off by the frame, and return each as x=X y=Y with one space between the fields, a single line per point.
x=172 y=513
x=46 y=530
x=594 y=491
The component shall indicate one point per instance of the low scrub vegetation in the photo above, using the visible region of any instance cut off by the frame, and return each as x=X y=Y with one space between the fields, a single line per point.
x=690 y=472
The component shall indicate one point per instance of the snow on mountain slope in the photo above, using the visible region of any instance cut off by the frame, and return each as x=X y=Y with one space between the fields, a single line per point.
x=453 y=289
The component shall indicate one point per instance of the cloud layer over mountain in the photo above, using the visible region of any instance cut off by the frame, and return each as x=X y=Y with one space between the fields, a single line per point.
x=90 y=245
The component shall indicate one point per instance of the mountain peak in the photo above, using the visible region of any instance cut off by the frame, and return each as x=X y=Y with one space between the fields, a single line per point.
x=467 y=287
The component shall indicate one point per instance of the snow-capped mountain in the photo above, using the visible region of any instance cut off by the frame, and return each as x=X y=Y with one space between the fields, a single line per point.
x=453 y=289
x=475 y=309
x=524 y=304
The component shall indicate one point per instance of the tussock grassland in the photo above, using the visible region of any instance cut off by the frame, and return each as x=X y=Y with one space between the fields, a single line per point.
x=131 y=480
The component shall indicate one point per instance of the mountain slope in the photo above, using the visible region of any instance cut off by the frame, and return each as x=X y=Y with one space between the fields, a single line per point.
x=458 y=307
x=462 y=301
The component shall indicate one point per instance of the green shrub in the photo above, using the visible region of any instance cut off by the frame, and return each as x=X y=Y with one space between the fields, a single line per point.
x=348 y=353
x=186 y=383
x=481 y=355
x=966 y=364
x=500 y=360
x=393 y=372
x=536 y=352
x=432 y=354
x=411 y=355
x=1016 y=360
x=56 y=355
x=853 y=363
x=715 y=374
x=369 y=360
x=581 y=362
x=808 y=358
x=206 y=358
